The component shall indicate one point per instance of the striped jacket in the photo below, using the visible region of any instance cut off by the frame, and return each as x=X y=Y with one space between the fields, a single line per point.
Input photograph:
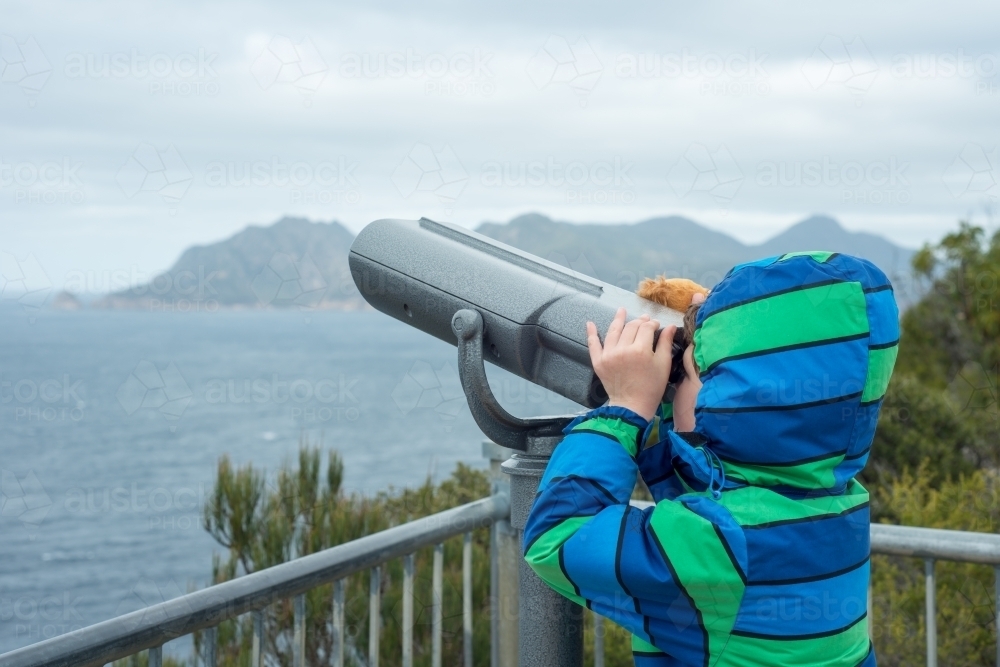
x=757 y=550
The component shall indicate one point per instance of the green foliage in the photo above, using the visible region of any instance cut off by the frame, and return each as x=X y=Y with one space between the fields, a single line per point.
x=965 y=592
x=303 y=512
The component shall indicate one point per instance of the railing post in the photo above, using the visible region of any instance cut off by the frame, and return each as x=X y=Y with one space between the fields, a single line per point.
x=257 y=651
x=209 y=638
x=598 y=639
x=299 y=638
x=437 y=601
x=408 y=611
x=155 y=657
x=467 y=599
x=338 y=623
x=374 y=614
x=550 y=630
x=931 y=623
x=996 y=607
x=505 y=560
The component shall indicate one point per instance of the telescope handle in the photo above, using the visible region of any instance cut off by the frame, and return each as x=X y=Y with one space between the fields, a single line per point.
x=496 y=423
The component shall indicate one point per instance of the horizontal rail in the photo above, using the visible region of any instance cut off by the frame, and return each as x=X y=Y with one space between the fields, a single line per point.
x=936 y=543
x=126 y=635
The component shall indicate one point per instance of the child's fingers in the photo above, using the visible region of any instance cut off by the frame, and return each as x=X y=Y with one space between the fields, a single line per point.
x=631 y=329
x=644 y=337
x=594 y=345
x=615 y=330
x=663 y=355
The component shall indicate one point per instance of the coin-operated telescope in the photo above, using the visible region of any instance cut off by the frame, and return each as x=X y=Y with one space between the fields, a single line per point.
x=497 y=304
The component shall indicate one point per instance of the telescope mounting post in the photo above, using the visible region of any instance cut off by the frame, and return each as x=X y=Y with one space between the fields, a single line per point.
x=550 y=626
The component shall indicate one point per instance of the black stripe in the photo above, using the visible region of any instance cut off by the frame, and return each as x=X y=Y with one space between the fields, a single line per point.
x=864 y=451
x=787 y=290
x=618 y=559
x=784 y=348
x=882 y=346
x=833 y=255
x=684 y=592
x=597 y=485
x=781 y=408
x=865 y=404
x=880 y=288
x=562 y=566
x=603 y=435
x=795 y=638
x=784 y=464
x=729 y=552
x=805 y=580
x=807 y=519
x=662 y=478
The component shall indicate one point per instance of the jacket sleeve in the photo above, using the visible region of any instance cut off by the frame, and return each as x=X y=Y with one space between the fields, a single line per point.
x=667 y=574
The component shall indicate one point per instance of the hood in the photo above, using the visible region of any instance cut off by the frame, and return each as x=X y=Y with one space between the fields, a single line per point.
x=795 y=353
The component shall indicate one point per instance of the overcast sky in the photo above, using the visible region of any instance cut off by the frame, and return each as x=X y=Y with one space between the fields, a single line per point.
x=131 y=131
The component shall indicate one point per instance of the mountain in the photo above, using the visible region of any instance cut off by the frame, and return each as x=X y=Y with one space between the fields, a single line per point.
x=298 y=263
x=623 y=254
x=292 y=263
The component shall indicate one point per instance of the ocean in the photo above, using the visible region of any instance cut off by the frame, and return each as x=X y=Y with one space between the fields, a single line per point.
x=112 y=424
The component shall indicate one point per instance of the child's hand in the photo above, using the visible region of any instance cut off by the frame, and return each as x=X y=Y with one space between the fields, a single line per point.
x=633 y=375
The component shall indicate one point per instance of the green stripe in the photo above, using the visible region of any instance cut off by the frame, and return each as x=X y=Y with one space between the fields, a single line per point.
x=818 y=255
x=815 y=474
x=880 y=363
x=846 y=648
x=703 y=568
x=640 y=645
x=618 y=429
x=793 y=318
x=753 y=506
x=543 y=556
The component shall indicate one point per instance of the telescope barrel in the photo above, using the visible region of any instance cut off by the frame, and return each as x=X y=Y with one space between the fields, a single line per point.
x=534 y=311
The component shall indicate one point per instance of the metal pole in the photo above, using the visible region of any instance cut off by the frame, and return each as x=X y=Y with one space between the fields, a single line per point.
x=437 y=588
x=598 y=639
x=550 y=626
x=931 y=613
x=505 y=560
x=257 y=655
x=210 y=635
x=155 y=657
x=299 y=644
x=338 y=623
x=467 y=599
x=408 y=611
x=374 y=614
x=996 y=608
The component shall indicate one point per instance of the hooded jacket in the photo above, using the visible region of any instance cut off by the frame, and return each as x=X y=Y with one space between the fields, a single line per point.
x=756 y=551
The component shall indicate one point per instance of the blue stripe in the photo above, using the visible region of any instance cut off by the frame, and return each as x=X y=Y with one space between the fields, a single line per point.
x=861 y=440
x=657 y=660
x=805 y=608
x=589 y=559
x=883 y=317
x=734 y=539
x=565 y=498
x=673 y=621
x=779 y=437
x=790 y=377
x=578 y=453
x=807 y=549
x=861 y=270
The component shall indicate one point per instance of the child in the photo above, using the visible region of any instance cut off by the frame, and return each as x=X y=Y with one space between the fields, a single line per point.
x=757 y=550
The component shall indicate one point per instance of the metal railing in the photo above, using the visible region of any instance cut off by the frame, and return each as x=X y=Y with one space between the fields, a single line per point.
x=148 y=629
